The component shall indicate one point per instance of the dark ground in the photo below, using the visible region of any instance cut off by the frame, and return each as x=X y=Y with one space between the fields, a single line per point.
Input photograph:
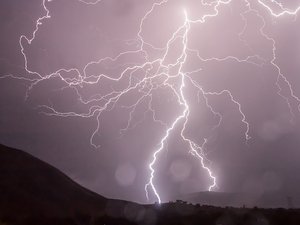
x=35 y=193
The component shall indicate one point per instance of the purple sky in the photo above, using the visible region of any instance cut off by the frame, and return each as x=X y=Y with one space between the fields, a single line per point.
x=235 y=70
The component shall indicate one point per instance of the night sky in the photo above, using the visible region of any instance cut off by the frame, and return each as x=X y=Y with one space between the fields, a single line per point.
x=240 y=68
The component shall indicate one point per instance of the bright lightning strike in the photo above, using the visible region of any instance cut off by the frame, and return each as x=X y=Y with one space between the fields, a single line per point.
x=158 y=68
x=283 y=10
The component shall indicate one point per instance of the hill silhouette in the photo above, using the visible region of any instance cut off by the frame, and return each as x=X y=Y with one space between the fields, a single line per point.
x=30 y=188
x=29 y=184
x=35 y=193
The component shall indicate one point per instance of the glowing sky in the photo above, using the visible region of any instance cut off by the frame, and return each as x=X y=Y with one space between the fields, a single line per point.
x=211 y=87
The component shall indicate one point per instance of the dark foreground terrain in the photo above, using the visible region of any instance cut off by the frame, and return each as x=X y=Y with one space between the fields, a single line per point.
x=35 y=193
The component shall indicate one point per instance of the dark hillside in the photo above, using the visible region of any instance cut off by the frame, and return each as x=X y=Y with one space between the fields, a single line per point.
x=35 y=193
x=29 y=185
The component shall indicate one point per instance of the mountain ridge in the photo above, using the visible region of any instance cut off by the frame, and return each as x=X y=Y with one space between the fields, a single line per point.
x=33 y=192
x=27 y=182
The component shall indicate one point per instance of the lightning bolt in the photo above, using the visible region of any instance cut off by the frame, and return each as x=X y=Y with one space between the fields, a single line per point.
x=195 y=149
x=157 y=74
x=280 y=76
x=90 y=2
x=283 y=11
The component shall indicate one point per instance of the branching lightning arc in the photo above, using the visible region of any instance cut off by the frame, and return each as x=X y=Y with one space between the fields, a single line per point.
x=148 y=83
